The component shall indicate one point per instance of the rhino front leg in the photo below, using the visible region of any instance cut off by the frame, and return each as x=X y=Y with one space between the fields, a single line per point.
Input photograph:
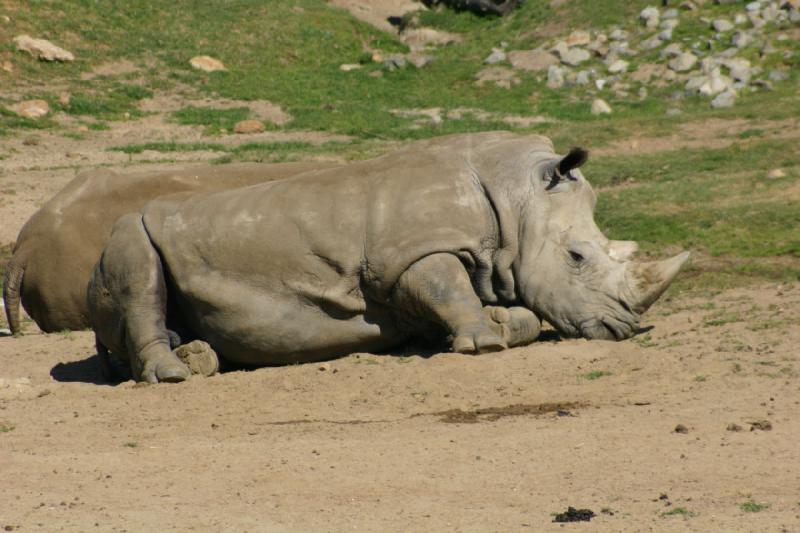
x=438 y=288
x=127 y=299
x=517 y=325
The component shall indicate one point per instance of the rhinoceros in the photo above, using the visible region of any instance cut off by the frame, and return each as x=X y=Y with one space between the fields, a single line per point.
x=57 y=248
x=473 y=237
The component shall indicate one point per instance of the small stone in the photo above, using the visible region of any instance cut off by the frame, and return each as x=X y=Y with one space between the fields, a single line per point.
x=665 y=35
x=532 y=60
x=778 y=75
x=756 y=20
x=722 y=25
x=555 y=77
x=32 y=108
x=347 y=67
x=715 y=85
x=680 y=428
x=688 y=5
x=670 y=14
x=734 y=427
x=669 y=24
x=740 y=19
x=652 y=43
x=248 y=126
x=600 y=107
x=206 y=64
x=618 y=35
x=42 y=49
x=583 y=77
x=600 y=84
x=7 y=66
x=725 y=99
x=500 y=76
x=64 y=99
x=618 y=66
x=776 y=173
x=560 y=48
x=741 y=39
x=496 y=56
x=753 y=6
x=671 y=50
x=683 y=62
x=650 y=16
x=394 y=63
x=760 y=425
x=575 y=56
x=578 y=38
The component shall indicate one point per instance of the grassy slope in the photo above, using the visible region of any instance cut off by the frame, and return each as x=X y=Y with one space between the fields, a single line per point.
x=715 y=201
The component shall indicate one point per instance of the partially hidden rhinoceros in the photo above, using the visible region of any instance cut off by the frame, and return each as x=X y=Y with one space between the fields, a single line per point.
x=58 y=247
x=474 y=236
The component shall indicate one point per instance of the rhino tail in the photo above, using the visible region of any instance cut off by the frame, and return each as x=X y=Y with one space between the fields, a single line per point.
x=12 y=283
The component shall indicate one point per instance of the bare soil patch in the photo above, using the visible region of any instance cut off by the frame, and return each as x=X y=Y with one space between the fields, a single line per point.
x=420 y=443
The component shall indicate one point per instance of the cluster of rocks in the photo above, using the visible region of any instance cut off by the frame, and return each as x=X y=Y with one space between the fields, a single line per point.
x=648 y=53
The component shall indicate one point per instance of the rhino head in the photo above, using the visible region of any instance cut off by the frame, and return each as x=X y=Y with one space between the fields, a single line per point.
x=560 y=265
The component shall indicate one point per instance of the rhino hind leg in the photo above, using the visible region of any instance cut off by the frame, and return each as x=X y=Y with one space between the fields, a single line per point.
x=127 y=299
x=438 y=288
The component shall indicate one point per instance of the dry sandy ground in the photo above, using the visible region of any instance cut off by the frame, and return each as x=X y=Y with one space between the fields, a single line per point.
x=440 y=443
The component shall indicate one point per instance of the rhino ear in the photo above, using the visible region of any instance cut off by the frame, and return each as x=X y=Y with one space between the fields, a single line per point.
x=574 y=159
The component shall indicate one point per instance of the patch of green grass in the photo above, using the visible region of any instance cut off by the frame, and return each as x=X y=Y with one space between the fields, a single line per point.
x=6 y=428
x=131 y=445
x=722 y=318
x=700 y=378
x=753 y=507
x=681 y=511
x=216 y=120
x=169 y=147
x=596 y=374
x=119 y=101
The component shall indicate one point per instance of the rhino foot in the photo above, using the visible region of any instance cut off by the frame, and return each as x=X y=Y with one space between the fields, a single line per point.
x=158 y=364
x=482 y=340
x=199 y=357
x=516 y=325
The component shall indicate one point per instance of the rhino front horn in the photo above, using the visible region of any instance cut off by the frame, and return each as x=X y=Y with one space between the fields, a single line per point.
x=650 y=280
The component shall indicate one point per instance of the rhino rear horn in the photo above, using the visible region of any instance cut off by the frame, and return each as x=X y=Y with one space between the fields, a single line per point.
x=574 y=159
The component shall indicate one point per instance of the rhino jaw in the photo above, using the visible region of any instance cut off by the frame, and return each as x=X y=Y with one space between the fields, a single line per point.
x=648 y=281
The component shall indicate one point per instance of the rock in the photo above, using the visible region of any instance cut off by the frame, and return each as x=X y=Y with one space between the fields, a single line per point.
x=500 y=76
x=741 y=39
x=665 y=35
x=7 y=66
x=496 y=56
x=650 y=16
x=739 y=69
x=671 y=50
x=778 y=75
x=600 y=84
x=688 y=5
x=395 y=62
x=32 y=108
x=618 y=66
x=206 y=64
x=575 y=56
x=618 y=35
x=249 y=126
x=753 y=6
x=756 y=20
x=652 y=43
x=578 y=38
x=670 y=14
x=532 y=60
x=560 y=48
x=584 y=77
x=694 y=83
x=683 y=62
x=715 y=85
x=600 y=107
x=740 y=19
x=722 y=25
x=725 y=99
x=734 y=427
x=760 y=425
x=669 y=24
x=418 y=59
x=64 y=99
x=347 y=67
x=776 y=173
x=555 y=77
x=42 y=49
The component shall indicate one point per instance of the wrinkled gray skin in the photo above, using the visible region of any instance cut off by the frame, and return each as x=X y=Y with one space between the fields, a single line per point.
x=474 y=236
x=60 y=244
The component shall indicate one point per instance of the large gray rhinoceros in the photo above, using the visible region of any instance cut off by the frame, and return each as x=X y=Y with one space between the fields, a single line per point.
x=475 y=236
x=60 y=244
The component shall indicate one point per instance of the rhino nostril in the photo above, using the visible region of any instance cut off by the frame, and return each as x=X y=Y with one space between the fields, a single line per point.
x=625 y=305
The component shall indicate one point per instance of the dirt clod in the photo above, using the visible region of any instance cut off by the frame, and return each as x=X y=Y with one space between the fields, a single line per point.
x=575 y=515
x=680 y=428
x=734 y=427
x=760 y=425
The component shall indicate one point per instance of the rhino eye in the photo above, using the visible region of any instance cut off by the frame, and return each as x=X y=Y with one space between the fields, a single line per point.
x=578 y=258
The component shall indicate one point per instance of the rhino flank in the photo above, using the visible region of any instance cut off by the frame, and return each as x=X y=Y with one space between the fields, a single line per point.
x=58 y=247
x=473 y=236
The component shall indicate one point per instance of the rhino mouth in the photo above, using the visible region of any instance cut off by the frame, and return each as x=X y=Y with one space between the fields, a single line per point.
x=608 y=328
